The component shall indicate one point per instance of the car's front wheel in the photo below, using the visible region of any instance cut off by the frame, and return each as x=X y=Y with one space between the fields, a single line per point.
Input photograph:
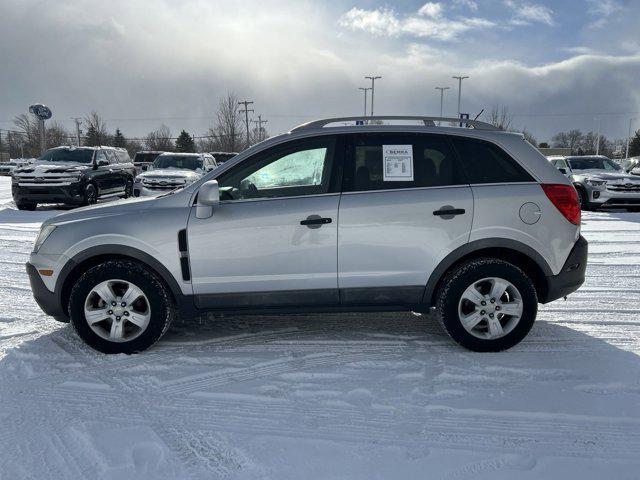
x=583 y=198
x=487 y=304
x=120 y=306
x=26 y=206
x=90 y=195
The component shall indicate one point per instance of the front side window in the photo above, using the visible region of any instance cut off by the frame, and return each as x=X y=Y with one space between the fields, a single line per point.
x=299 y=168
x=392 y=161
x=485 y=162
x=101 y=157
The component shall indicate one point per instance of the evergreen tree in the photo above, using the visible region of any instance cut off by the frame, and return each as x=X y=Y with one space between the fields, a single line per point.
x=92 y=137
x=185 y=143
x=543 y=145
x=119 y=140
x=634 y=145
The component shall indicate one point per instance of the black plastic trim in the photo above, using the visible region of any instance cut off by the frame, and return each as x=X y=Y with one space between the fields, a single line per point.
x=287 y=298
x=476 y=245
x=409 y=296
x=571 y=277
x=47 y=300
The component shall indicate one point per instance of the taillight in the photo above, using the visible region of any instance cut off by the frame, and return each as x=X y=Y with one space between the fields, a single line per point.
x=565 y=198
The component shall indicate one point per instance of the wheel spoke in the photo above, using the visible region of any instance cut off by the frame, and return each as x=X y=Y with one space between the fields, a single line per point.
x=138 y=319
x=473 y=295
x=495 y=328
x=95 y=316
x=132 y=294
x=498 y=288
x=513 y=308
x=117 y=331
x=104 y=291
x=471 y=320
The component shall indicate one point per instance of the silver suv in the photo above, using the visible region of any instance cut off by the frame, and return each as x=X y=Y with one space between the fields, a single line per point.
x=600 y=182
x=473 y=222
x=172 y=170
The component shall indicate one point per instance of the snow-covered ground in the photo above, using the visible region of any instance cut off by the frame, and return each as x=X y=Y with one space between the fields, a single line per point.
x=385 y=396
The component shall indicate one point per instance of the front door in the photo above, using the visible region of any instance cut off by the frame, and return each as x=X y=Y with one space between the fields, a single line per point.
x=272 y=240
x=406 y=205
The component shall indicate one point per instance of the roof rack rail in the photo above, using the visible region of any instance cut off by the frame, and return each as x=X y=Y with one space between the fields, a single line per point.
x=428 y=121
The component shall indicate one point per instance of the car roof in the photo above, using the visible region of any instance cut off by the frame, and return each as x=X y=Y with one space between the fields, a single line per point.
x=182 y=154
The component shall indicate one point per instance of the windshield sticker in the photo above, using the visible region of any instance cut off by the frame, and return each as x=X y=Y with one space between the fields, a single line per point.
x=398 y=163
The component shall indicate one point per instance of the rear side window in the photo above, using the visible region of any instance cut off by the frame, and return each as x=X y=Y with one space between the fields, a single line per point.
x=485 y=162
x=392 y=161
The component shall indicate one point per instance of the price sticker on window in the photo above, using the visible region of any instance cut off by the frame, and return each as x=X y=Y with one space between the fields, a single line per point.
x=398 y=163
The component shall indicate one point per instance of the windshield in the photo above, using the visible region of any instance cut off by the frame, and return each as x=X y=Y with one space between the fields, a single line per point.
x=593 y=163
x=145 y=157
x=182 y=162
x=68 y=155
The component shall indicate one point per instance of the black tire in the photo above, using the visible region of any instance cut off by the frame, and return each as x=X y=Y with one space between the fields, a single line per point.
x=161 y=305
x=26 y=206
x=90 y=195
x=583 y=198
x=456 y=282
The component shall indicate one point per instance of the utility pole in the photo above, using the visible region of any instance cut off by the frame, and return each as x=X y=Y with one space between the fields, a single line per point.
x=246 y=111
x=598 y=138
x=629 y=137
x=460 y=78
x=78 y=122
x=373 y=79
x=442 y=89
x=365 y=90
x=260 y=128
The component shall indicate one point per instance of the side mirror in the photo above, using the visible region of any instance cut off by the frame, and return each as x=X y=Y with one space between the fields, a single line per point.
x=103 y=163
x=563 y=170
x=144 y=168
x=208 y=198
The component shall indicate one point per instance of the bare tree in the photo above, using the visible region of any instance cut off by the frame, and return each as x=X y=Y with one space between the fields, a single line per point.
x=28 y=133
x=229 y=127
x=97 y=133
x=500 y=117
x=56 y=135
x=159 y=139
x=571 y=139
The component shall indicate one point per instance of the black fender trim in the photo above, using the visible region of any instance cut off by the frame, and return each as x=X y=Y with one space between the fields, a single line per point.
x=184 y=302
x=471 y=248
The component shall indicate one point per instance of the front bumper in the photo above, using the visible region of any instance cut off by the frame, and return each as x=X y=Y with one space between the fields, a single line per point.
x=571 y=277
x=140 y=190
x=604 y=197
x=70 y=194
x=48 y=301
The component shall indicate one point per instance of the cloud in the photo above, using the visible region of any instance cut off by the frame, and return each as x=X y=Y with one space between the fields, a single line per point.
x=470 y=4
x=427 y=22
x=604 y=7
x=526 y=13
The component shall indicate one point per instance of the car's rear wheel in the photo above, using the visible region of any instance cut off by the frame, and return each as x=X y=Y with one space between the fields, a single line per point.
x=26 y=206
x=128 y=189
x=487 y=304
x=583 y=198
x=120 y=306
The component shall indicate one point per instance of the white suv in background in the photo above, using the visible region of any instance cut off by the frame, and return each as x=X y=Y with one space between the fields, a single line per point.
x=172 y=170
x=473 y=222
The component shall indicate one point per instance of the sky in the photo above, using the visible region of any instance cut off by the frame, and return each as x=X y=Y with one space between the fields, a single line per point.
x=555 y=65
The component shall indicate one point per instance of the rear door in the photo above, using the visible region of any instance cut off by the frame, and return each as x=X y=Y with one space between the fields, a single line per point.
x=405 y=205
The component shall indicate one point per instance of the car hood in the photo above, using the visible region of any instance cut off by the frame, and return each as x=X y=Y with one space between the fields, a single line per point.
x=170 y=173
x=118 y=207
x=603 y=175
x=52 y=167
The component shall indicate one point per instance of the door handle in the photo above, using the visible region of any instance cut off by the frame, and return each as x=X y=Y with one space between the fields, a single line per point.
x=447 y=212
x=315 y=221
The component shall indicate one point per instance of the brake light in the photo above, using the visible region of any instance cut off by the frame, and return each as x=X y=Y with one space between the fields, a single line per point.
x=565 y=198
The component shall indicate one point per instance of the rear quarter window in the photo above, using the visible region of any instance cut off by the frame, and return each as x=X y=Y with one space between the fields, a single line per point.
x=485 y=162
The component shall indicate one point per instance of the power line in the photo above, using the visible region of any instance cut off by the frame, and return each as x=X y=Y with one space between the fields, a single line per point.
x=260 y=128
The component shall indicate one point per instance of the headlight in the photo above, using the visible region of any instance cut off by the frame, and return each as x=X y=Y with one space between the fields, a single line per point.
x=42 y=236
x=597 y=183
x=137 y=180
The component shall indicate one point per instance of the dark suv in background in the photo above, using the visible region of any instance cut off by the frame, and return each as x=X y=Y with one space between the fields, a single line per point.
x=142 y=160
x=73 y=176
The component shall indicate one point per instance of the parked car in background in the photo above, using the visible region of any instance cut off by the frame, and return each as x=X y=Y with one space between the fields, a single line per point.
x=472 y=221
x=7 y=168
x=600 y=182
x=142 y=160
x=73 y=176
x=631 y=165
x=172 y=170
x=222 y=157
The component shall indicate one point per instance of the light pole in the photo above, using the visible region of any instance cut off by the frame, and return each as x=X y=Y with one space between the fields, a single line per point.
x=598 y=137
x=442 y=89
x=373 y=79
x=629 y=137
x=460 y=78
x=365 y=90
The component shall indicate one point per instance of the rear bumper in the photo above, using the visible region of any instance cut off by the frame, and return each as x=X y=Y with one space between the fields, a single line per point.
x=47 y=300
x=571 y=277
